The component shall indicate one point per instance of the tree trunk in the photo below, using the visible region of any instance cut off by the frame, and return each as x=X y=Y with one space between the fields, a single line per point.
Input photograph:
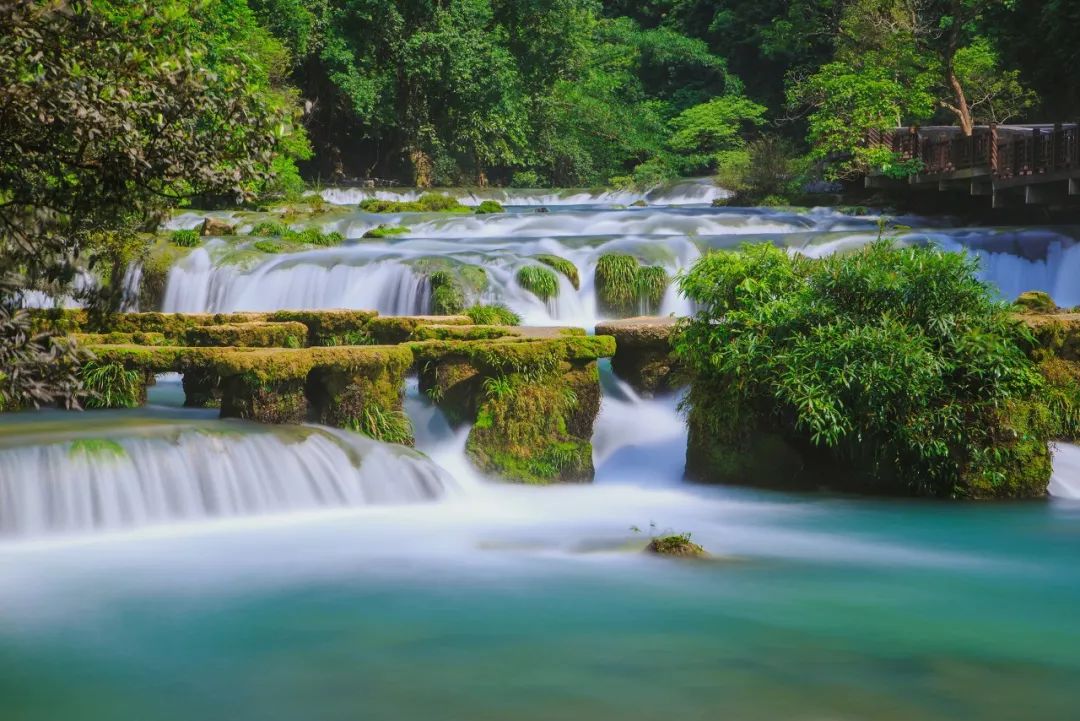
x=962 y=109
x=421 y=168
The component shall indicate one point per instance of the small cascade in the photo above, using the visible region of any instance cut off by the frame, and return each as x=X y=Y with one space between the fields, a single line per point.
x=167 y=473
x=1065 y=480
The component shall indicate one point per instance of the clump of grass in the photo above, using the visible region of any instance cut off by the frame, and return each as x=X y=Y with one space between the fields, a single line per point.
x=493 y=314
x=270 y=229
x=447 y=298
x=426 y=203
x=383 y=425
x=386 y=231
x=541 y=282
x=678 y=545
x=313 y=236
x=616 y=279
x=350 y=337
x=652 y=283
x=489 y=206
x=561 y=265
x=185 y=238
x=110 y=385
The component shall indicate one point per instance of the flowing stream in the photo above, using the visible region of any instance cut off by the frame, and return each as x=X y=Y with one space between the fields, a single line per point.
x=158 y=564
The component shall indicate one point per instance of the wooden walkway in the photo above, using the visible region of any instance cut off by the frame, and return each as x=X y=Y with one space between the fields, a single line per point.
x=1012 y=164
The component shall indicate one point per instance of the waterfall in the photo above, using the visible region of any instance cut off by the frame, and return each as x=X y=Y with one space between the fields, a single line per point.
x=1065 y=481
x=120 y=479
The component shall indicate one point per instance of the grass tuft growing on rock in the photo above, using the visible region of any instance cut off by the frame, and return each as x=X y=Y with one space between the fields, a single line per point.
x=489 y=206
x=386 y=231
x=652 y=283
x=677 y=545
x=185 y=238
x=447 y=298
x=493 y=314
x=616 y=283
x=541 y=282
x=110 y=385
x=561 y=265
x=426 y=203
x=383 y=425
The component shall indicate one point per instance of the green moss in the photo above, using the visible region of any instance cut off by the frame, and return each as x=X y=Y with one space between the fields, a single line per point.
x=386 y=231
x=561 y=265
x=1034 y=301
x=541 y=282
x=493 y=314
x=270 y=229
x=136 y=338
x=269 y=246
x=97 y=448
x=447 y=297
x=252 y=335
x=307 y=236
x=185 y=238
x=426 y=203
x=489 y=206
x=330 y=327
x=616 y=283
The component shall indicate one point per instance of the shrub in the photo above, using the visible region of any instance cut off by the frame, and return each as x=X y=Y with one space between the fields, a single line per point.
x=541 y=282
x=494 y=314
x=185 y=238
x=562 y=265
x=616 y=283
x=488 y=206
x=527 y=179
x=884 y=370
x=386 y=231
x=652 y=283
x=110 y=385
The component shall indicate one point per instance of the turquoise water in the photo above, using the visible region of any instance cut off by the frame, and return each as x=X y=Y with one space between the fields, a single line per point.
x=517 y=603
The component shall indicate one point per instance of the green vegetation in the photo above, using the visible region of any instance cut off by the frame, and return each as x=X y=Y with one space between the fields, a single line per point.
x=281 y=234
x=110 y=385
x=270 y=246
x=541 y=282
x=493 y=314
x=386 y=231
x=185 y=238
x=678 y=545
x=561 y=265
x=383 y=425
x=426 y=203
x=97 y=448
x=885 y=370
x=489 y=206
x=447 y=297
x=1034 y=301
x=623 y=285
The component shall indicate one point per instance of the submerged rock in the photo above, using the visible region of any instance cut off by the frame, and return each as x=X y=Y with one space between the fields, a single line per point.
x=677 y=545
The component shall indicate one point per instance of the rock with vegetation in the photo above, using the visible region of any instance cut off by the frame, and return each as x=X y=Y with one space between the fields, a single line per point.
x=112 y=385
x=216 y=227
x=249 y=335
x=1036 y=301
x=814 y=372
x=492 y=314
x=386 y=231
x=563 y=266
x=185 y=238
x=539 y=281
x=643 y=352
x=329 y=327
x=676 y=545
x=624 y=287
x=426 y=203
x=489 y=206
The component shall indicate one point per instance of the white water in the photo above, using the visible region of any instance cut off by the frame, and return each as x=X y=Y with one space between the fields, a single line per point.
x=1065 y=481
x=186 y=473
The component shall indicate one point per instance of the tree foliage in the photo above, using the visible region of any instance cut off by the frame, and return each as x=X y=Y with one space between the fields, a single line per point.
x=896 y=366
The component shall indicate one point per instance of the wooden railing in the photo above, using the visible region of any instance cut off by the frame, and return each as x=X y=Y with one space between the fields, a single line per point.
x=1006 y=151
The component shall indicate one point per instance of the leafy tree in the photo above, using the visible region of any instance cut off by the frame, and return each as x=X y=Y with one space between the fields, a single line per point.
x=102 y=125
x=884 y=370
x=719 y=125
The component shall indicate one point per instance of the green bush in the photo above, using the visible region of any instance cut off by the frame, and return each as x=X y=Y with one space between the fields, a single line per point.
x=185 y=238
x=541 y=282
x=494 y=314
x=884 y=370
x=527 y=179
x=488 y=206
x=562 y=265
x=386 y=231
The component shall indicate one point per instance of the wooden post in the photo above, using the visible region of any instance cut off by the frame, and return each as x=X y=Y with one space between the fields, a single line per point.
x=993 y=150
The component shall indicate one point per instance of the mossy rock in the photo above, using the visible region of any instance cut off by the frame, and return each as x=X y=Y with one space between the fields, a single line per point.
x=287 y=334
x=362 y=391
x=643 y=353
x=616 y=283
x=539 y=281
x=391 y=329
x=329 y=327
x=563 y=266
x=676 y=546
x=216 y=226
x=386 y=231
x=1035 y=301
x=492 y=314
x=426 y=203
x=1057 y=335
x=488 y=207
x=115 y=338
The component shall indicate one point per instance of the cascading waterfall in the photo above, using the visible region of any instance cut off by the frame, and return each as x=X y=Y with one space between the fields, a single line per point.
x=1065 y=480
x=65 y=483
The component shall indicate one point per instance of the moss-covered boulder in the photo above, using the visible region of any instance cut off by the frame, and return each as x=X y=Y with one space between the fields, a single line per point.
x=643 y=355
x=426 y=203
x=489 y=206
x=391 y=329
x=385 y=231
x=624 y=287
x=563 y=266
x=1035 y=301
x=1057 y=335
x=539 y=281
x=286 y=334
x=330 y=327
x=676 y=545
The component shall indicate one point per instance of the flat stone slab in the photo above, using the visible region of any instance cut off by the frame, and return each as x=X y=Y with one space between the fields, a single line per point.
x=640 y=332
